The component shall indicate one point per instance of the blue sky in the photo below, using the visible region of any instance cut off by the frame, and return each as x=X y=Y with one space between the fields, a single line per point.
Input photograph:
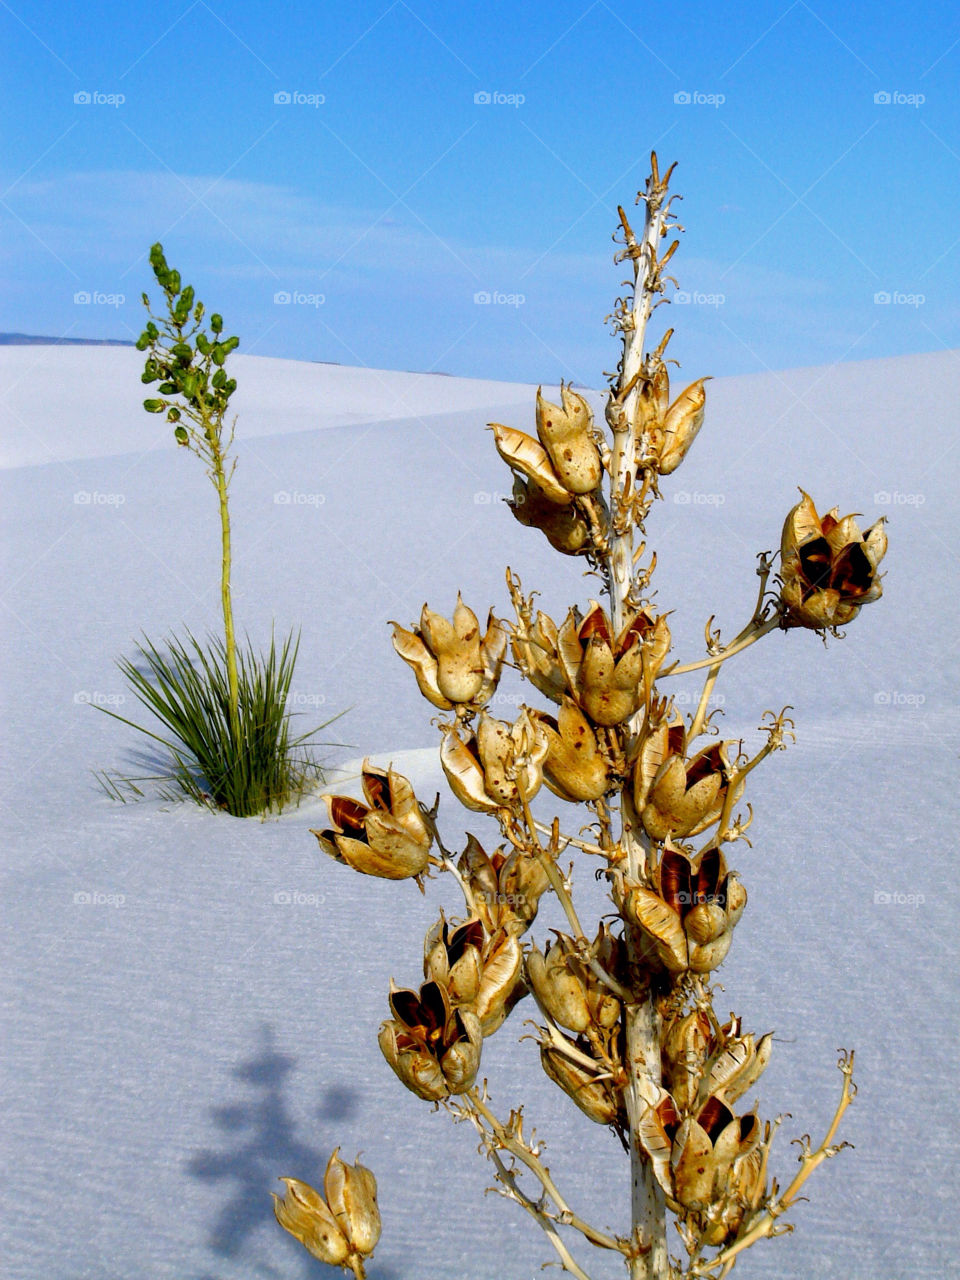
x=381 y=198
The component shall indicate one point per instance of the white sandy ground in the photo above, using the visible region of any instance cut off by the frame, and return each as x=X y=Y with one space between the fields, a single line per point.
x=190 y=1002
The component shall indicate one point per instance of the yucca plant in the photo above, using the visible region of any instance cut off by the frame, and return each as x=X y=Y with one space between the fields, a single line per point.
x=223 y=707
x=627 y=1023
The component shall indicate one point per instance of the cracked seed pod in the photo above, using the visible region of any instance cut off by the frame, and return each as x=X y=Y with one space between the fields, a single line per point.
x=670 y=429
x=745 y=1187
x=452 y=958
x=691 y=918
x=704 y=1149
x=681 y=425
x=524 y=455
x=655 y=1130
x=505 y=889
x=568 y=988
x=595 y=1098
x=501 y=981
x=737 y=1065
x=484 y=768
x=351 y=1193
x=574 y=767
x=564 y=525
x=686 y=796
x=685 y=1050
x=567 y=435
x=454 y=665
x=611 y=677
x=828 y=568
x=535 y=653
x=387 y=837
x=304 y=1213
x=663 y=738
x=432 y=1046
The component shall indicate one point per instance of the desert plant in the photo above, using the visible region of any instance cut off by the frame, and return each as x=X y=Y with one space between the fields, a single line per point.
x=628 y=1028
x=223 y=708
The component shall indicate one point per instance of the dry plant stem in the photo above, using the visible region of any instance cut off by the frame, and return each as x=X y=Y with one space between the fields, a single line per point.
x=504 y=1140
x=648 y=1209
x=560 y=889
x=756 y=631
x=765 y=1224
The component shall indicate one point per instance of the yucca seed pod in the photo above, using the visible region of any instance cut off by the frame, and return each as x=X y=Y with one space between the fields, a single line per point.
x=454 y=665
x=737 y=1066
x=501 y=981
x=535 y=653
x=595 y=1098
x=506 y=889
x=685 y=797
x=557 y=987
x=351 y=1194
x=452 y=958
x=525 y=455
x=655 y=1132
x=611 y=676
x=662 y=739
x=417 y=1069
x=682 y=888
x=428 y=1032
x=303 y=1212
x=416 y=655
x=566 y=434
x=684 y=1052
x=681 y=425
x=564 y=526
x=511 y=756
x=828 y=568
x=387 y=837
x=574 y=767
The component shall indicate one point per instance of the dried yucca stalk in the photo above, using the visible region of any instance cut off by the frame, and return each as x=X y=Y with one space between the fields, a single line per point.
x=627 y=1024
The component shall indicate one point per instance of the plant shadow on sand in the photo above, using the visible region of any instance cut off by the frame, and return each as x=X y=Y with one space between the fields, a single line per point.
x=261 y=1145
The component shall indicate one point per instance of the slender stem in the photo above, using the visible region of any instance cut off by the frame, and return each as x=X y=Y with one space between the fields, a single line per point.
x=221 y=481
x=753 y=633
x=809 y=1161
x=522 y=1152
x=696 y=724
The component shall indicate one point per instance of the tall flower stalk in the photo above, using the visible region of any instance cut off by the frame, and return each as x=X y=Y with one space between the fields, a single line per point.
x=627 y=1025
x=222 y=707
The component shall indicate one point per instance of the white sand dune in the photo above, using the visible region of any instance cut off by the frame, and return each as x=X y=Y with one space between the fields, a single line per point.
x=190 y=1002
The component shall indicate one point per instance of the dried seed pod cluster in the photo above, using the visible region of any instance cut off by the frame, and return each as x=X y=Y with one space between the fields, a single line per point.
x=340 y=1230
x=626 y=1023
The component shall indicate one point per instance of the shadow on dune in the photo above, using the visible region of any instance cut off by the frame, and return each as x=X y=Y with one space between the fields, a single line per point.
x=261 y=1144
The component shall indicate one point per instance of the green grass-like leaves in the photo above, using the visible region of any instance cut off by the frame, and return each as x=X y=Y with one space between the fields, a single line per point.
x=263 y=770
